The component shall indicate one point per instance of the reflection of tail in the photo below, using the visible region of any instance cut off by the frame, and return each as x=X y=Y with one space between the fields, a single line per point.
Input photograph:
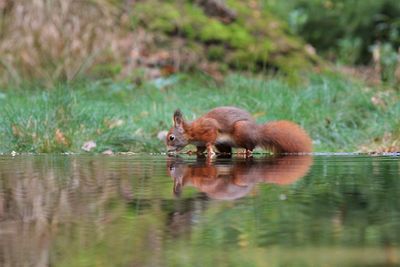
x=288 y=169
x=284 y=137
x=235 y=179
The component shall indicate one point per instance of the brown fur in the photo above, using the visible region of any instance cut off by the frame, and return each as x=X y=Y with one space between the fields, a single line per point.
x=227 y=127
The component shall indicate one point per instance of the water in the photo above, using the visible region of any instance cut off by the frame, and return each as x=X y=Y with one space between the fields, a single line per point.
x=159 y=211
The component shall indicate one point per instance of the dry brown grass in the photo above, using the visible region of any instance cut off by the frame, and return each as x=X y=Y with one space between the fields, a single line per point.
x=59 y=40
x=52 y=40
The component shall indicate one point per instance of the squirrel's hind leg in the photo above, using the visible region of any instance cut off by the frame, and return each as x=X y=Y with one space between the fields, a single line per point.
x=245 y=135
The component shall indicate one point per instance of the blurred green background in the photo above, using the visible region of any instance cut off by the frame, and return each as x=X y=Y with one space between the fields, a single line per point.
x=112 y=71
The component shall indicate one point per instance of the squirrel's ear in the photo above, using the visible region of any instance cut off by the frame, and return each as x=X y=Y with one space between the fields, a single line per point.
x=178 y=118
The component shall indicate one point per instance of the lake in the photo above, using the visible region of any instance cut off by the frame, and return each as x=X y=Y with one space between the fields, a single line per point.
x=154 y=210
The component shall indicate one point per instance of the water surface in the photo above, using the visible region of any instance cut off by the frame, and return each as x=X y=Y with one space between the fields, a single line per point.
x=158 y=211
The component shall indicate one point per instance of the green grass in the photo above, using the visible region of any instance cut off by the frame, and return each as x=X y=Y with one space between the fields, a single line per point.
x=338 y=113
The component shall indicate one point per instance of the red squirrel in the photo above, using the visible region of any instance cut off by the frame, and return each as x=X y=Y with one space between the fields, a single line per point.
x=227 y=127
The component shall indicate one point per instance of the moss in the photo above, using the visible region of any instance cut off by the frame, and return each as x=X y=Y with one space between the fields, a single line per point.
x=253 y=56
x=292 y=65
x=246 y=43
x=248 y=59
x=242 y=60
x=241 y=8
x=240 y=37
x=214 y=31
x=267 y=45
x=292 y=62
x=164 y=18
x=215 y=52
x=192 y=21
x=196 y=25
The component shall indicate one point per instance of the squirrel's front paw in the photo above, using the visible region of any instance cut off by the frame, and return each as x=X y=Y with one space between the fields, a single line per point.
x=210 y=151
x=210 y=155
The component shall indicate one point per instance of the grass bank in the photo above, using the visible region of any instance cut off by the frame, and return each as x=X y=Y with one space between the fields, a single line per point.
x=339 y=115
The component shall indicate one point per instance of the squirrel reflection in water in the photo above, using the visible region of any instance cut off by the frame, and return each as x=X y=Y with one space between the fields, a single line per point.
x=229 y=179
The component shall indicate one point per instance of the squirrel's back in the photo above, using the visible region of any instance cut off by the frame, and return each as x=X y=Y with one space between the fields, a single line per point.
x=228 y=116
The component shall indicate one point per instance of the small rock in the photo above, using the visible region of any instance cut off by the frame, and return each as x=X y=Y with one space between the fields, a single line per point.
x=107 y=152
x=89 y=145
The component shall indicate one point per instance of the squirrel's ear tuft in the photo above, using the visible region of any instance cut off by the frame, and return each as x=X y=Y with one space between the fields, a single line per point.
x=178 y=118
x=178 y=113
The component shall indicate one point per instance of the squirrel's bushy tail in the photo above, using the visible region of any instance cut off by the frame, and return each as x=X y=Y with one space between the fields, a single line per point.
x=284 y=137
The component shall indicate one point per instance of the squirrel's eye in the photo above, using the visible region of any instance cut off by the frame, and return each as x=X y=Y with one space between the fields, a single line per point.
x=172 y=137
